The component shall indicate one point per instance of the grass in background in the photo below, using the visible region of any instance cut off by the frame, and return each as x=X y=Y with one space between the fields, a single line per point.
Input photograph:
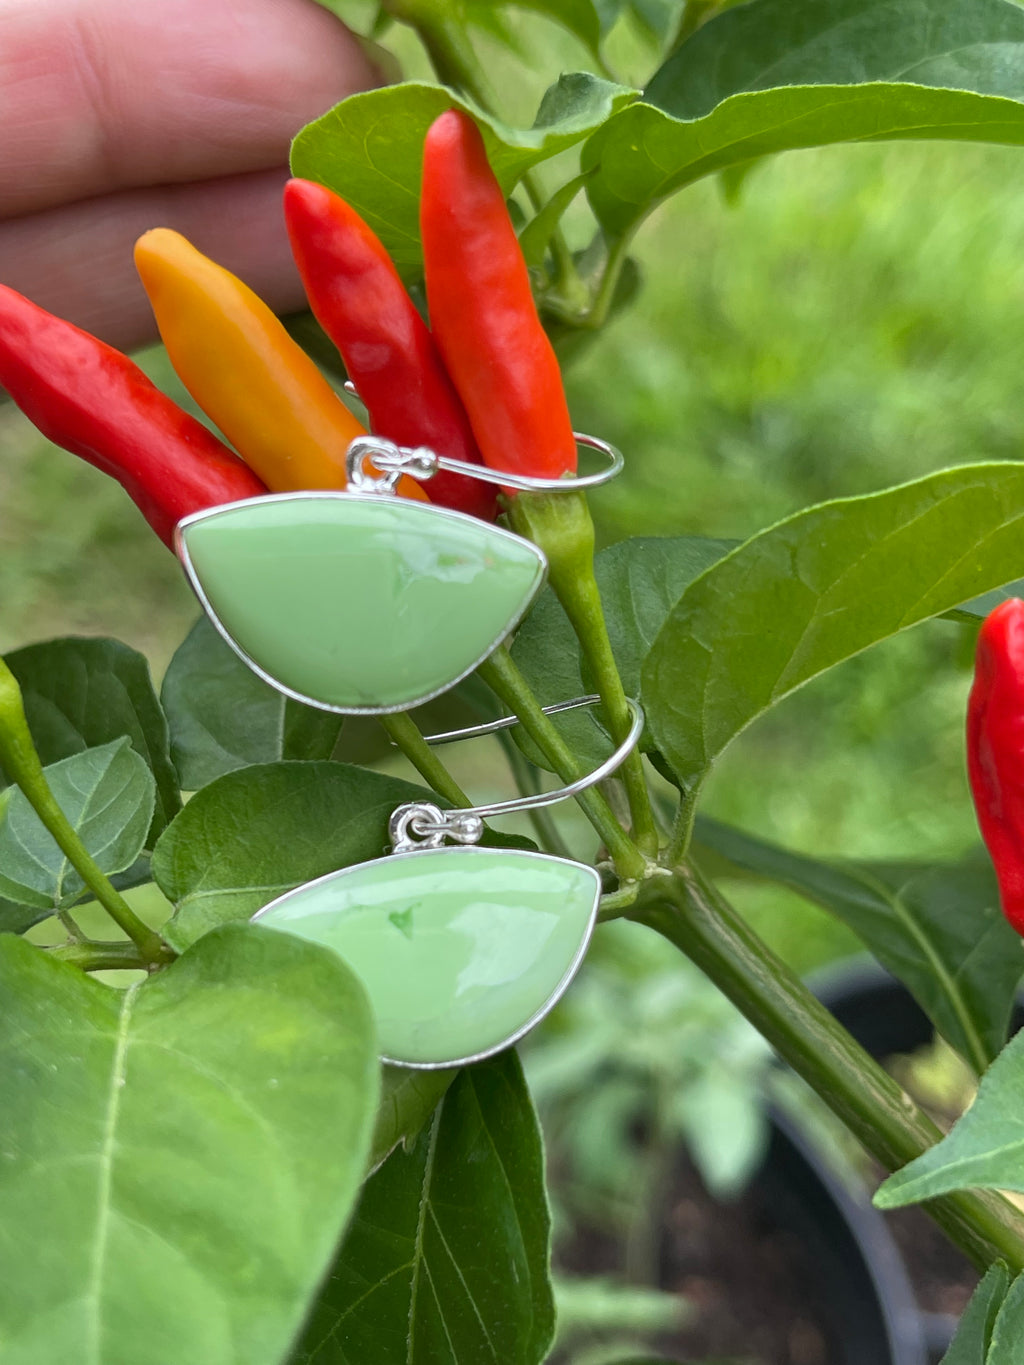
x=856 y=319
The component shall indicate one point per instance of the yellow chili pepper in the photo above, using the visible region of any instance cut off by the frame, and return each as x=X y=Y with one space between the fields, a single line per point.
x=243 y=369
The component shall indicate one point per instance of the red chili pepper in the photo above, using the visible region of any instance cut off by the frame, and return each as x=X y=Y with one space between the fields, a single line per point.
x=482 y=311
x=995 y=750
x=360 y=301
x=92 y=400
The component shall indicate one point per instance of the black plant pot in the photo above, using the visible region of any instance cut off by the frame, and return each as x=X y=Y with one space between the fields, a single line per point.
x=814 y=1272
x=866 y=1304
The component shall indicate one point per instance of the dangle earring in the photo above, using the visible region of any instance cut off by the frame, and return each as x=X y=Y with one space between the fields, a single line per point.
x=461 y=949
x=363 y=602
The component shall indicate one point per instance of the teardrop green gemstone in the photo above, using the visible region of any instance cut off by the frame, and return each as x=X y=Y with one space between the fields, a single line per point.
x=359 y=603
x=460 y=949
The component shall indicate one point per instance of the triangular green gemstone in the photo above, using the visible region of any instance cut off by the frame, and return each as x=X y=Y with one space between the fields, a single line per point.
x=460 y=949
x=359 y=603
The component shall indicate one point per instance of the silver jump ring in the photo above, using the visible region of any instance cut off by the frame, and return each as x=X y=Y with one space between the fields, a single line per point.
x=391 y=461
x=432 y=826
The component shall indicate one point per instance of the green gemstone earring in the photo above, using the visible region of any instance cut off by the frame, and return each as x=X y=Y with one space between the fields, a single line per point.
x=361 y=601
x=461 y=949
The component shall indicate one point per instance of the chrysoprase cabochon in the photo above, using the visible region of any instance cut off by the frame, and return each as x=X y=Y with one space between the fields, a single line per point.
x=461 y=950
x=358 y=603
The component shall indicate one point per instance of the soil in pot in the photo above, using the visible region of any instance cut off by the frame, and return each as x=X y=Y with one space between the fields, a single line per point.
x=775 y=1277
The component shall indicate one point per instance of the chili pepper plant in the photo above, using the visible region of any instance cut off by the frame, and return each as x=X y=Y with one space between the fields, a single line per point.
x=202 y=1156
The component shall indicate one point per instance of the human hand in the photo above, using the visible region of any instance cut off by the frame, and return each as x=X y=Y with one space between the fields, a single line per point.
x=119 y=116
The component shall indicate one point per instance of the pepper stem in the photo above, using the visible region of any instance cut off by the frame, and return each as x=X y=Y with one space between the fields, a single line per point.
x=21 y=762
x=504 y=678
x=685 y=909
x=544 y=827
x=408 y=737
x=560 y=523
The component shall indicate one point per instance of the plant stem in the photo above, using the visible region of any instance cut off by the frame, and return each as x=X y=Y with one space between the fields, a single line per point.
x=618 y=249
x=73 y=930
x=692 y=914
x=21 y=761
x=100 y=957
x=682 y=830
x=561 y=524
x=544 y=827
x=409 y=738
x=504 y=678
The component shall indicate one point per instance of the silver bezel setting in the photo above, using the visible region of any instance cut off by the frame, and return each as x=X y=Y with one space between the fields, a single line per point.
x=539 y=1014
x=329 y=495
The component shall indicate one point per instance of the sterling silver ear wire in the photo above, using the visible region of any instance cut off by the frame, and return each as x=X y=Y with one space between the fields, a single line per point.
x=391 y=461
x=425 y=825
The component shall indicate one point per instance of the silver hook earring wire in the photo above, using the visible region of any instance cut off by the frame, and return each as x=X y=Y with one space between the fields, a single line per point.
x=491 y=727
x=424 y=825
x=391 y=461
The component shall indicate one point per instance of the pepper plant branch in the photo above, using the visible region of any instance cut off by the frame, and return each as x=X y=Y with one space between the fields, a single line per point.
x=21 y=762
x=560 y=523
x=544 y=826
x=100 y=957
x=408 y=737
x=688 y=911
x=504 y=678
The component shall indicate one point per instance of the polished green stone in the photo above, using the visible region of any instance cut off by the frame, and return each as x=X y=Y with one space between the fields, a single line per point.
x=460 y=949
x=360 y=603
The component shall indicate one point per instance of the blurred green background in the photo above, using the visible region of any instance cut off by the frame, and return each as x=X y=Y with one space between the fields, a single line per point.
x=855 y=318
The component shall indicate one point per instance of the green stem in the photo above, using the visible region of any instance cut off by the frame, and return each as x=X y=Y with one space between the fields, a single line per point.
x=613 y=904
x=100 y=957
x=692 y=914
x=504 y=678
x=618 y=249
x=560 y=523
x=409 y=738
x=544 y=827
x=68 y=921
x=682 y=831
x=19 y=758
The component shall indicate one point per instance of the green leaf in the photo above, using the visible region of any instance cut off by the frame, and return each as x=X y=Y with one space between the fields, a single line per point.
x=778 y=74
x=107 y=795
x=369 y=148
x=816 y=589
x=407 y=1099
x=974 y=611
x=640 y=581
x=254 y=834
x=971 y=1343
x=223 y=717
x=179 y=1158
x=1008 y=1332
x=82 y=693
x=447 y=1256
x=938 y=928
x=983 y=1150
